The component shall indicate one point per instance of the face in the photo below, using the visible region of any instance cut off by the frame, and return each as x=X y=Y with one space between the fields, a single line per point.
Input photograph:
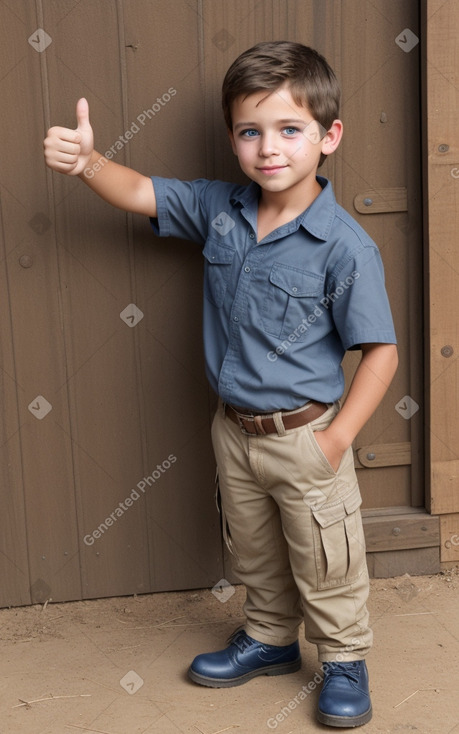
x=277 y=142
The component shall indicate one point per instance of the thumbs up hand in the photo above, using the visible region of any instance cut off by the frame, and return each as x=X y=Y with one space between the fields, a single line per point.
x=69 y=151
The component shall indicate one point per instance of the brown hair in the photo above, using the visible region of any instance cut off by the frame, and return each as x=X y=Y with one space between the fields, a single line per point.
x=270 y=64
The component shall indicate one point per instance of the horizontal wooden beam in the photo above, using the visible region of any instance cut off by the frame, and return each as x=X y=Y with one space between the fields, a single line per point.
x=383 y=454
x=415 y=562
x=382 y=201
x=401 y=532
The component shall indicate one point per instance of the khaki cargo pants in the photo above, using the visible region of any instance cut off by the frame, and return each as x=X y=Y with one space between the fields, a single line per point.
x=295 y=530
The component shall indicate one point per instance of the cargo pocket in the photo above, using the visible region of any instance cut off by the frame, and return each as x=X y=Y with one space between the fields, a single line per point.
x=217 y=271
x=339 y=542
x=292 y=296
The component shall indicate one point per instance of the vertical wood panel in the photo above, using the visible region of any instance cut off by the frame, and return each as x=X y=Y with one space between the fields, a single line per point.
x=14 y=571
x=36 y=319
x=442 y=205
x=94 y=261
x=381 y=148
x=166 y=64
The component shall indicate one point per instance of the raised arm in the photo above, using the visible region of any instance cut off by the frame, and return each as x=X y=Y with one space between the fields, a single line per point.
x=72 y=152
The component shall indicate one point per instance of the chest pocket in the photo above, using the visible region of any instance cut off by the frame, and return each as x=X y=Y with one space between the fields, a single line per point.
x=217 y=271
x=292 y=295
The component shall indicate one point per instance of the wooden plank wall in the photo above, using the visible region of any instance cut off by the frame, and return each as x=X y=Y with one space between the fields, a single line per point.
x=97 y=407
x=124 y=399
x=442 y=226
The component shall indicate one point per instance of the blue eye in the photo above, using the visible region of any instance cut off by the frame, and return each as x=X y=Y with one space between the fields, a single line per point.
x=289 y=131
x=249 y=133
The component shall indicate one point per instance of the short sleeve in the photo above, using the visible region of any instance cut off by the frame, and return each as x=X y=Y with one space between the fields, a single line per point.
x=358 y=300
x=181 y=208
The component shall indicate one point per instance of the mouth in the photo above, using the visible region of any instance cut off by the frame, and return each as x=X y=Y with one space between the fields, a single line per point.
x=270 y=170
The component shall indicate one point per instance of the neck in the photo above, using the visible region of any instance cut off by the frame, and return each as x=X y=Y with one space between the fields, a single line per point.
x=292 y=201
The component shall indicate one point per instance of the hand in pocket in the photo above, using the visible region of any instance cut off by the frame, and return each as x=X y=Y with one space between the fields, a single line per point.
x=330 y=450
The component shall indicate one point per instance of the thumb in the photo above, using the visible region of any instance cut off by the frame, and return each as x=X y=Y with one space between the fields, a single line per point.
x=82 y=114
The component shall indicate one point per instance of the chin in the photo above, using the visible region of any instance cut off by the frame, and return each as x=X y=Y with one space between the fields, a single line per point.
x=274 y=185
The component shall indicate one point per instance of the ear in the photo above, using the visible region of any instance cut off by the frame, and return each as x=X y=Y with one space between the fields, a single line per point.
x=333 y=137
x=231 y=137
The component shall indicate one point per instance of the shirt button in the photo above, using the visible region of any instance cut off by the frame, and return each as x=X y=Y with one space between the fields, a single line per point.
x=294 y=289
x=235 y=318
x=246 y=269
x=252 y=236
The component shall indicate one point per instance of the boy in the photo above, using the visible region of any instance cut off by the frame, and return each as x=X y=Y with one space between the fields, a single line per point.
x=291 y=282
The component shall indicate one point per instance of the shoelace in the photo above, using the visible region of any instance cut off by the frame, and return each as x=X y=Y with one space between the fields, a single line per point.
x=344 y=669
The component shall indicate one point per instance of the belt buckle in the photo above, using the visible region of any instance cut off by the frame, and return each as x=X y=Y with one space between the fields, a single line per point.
x=254 y=420
x=250 y=418
x=244 y=421
x=240 y=422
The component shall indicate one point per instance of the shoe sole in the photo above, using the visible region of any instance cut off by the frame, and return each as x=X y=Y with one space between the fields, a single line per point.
x=282 y=669
x=345 y=722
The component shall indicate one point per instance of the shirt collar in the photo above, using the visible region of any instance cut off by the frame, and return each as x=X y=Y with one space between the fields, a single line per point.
x=317 y=219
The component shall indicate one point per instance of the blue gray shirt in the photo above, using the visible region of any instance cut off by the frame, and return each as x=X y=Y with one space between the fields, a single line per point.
x=279 y=314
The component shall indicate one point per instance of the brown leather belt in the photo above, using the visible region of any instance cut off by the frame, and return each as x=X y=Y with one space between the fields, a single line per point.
x=261 y=425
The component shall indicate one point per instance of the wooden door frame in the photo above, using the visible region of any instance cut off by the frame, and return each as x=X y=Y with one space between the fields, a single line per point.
x=440 y=76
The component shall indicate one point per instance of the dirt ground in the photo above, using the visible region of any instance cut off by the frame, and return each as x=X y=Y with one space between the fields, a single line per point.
x=118 y=666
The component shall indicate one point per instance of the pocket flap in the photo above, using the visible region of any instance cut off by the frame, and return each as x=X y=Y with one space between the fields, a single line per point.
x=295 y=282
x=336 y=510
x=218 y=254
x=353 y=501
x=328 y=515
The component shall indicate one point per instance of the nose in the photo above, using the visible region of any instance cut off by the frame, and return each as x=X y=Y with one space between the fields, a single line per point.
x=268 y=145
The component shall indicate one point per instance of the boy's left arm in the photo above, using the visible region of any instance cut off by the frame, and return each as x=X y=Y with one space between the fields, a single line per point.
x=371 y=381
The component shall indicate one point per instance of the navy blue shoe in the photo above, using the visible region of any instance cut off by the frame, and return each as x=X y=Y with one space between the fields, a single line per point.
x=345 y=697
x=244 y=659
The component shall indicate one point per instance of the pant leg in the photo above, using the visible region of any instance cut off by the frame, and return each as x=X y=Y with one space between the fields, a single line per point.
x=323 y=528
x=272 y=608
x=315 y=545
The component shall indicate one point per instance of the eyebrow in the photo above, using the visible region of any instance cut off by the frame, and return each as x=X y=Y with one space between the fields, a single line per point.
x=282 y=122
